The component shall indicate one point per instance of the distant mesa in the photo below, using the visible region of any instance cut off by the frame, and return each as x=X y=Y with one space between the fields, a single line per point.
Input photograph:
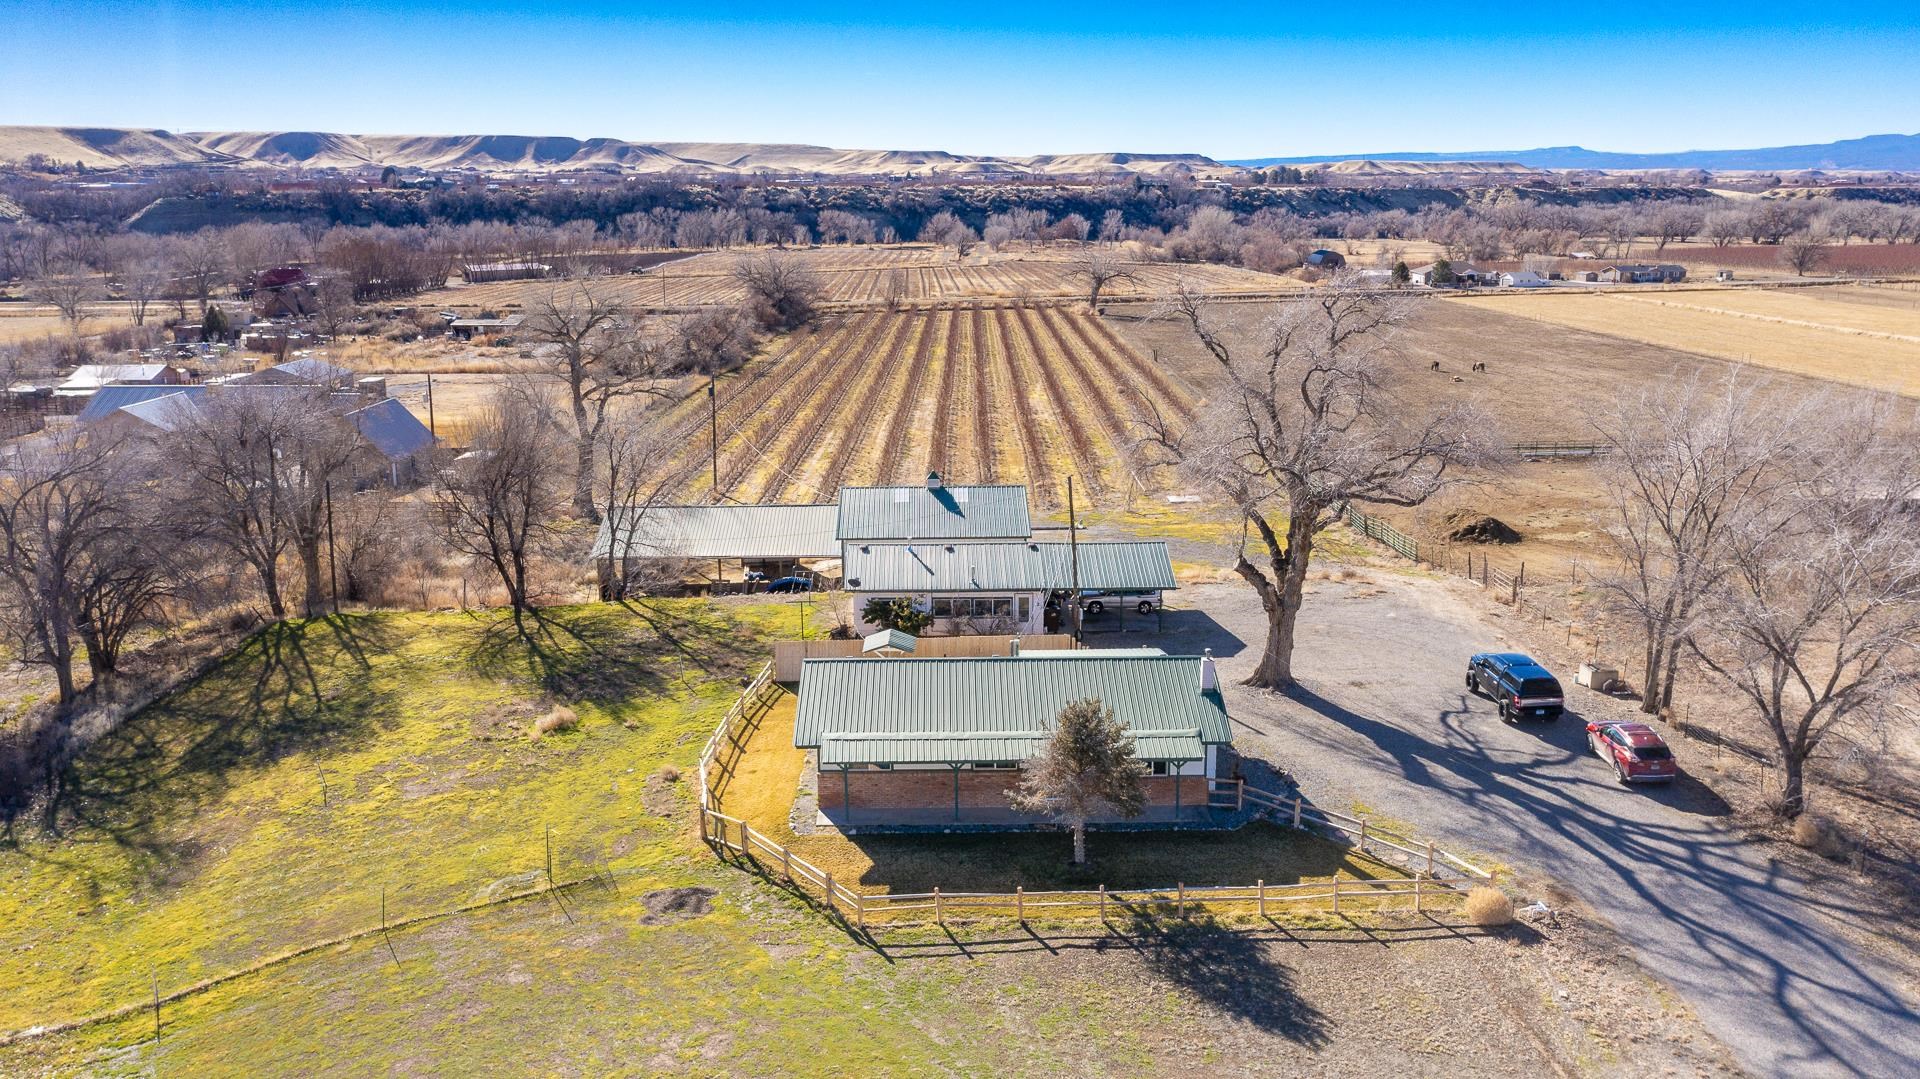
x=131 y=148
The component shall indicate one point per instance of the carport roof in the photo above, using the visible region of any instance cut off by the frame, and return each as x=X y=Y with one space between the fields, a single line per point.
x=749 y=532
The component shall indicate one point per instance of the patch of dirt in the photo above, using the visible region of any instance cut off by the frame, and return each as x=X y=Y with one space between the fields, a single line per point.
x=667 y=906
x=1466 y=526
x=504 y=722
x=657 y=793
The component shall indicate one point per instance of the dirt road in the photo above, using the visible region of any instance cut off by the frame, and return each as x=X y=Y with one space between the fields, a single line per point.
x=1383 y=720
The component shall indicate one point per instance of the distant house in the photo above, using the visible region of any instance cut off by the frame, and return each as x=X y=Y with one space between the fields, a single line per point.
x=997 y=587
x=302 y=372
x=1723 y=275
x=1465 y=275
x=284 y=291
x=466 y=328
x=1638 y=273
x=935 y=744
x=395 y=442
x=110 y=399
x=1522 y=279
x=1324 y=259
x=89 y=377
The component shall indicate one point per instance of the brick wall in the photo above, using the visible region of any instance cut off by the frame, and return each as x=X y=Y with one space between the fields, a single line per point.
x=931 y=789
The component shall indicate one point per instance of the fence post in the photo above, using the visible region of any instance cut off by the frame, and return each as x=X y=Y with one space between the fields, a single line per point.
x=786 y=864
x=1239 y=795
x=1261 y=887
x=1336 y=891
x=829 y=877
x=1103 y=903
x=860 y=909
x=1296 y=812
x=1182 y=908
x=1363 y=835
x=1417 y=879
x=1429 y=857
x=939 y=912
x=1020 y=904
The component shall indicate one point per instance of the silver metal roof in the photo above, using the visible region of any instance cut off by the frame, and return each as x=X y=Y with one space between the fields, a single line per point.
x=1006 y=567
x=107 y=399
x=391 y=428
x=996 y=708
x=751 y=532
x=927 y=512
x=889 y=638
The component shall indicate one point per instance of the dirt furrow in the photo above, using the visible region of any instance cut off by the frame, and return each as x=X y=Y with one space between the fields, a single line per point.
x=823 y=433
x=897 y=463
x=1103 y=397
x=984 y=457
x=741 y=396
x=1026 y=415
x=742 y=447
x=1081 y=444
x=1171 y=390
x=868 y=455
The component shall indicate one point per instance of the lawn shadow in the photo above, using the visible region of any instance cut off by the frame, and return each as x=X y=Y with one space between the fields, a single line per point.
x=1230 y=971
x=284 y=690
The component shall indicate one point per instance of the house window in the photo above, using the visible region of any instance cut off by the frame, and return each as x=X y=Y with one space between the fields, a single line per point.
x=1026 y=608
x=996 y=766
x=1157 y=768
x=943 y=607
x=1003 y=607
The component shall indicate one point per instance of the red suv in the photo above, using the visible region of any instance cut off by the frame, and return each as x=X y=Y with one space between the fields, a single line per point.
x=1635 y=750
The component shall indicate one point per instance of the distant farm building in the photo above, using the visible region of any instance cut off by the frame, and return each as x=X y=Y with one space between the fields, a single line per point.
x=476 y=272
x=1522 y=279
x=1465 y=275
x=1324 y=259
x=1640 y=273
x=468 y=328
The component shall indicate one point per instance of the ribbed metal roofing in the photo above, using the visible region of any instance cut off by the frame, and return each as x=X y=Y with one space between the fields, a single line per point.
x=909 y=706
x=1006 y=567
x=840 y=749
x=936 y=513
x=752 y=532
x=391 y=428
x=889 y=638
x=107 y=399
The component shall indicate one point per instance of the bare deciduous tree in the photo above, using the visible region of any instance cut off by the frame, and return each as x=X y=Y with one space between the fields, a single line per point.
x=1304 y=426
x=600 y=355
x=1086 y=767
x=1096 y=269
x=1803 y=252
x=1819 y=622
x=501 y=499
x=68 y=288
x=781 y=294
x=1691 y=460
x=633 y=460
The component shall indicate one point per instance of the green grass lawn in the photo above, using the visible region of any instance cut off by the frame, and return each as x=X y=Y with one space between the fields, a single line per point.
x=267 y=804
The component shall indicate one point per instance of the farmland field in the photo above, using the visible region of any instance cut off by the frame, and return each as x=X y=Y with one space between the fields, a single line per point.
x=1804 y=331
x=1764 y=259
x=863 y=275
x=983 y=394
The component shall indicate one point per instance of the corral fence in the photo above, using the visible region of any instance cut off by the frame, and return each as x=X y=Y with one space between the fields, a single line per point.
x=1540 y=451
x=788 y=655
x=1434 y=873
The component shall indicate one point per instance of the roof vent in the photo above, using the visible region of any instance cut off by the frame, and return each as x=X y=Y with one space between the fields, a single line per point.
x=1209 y=675
x=933 y=481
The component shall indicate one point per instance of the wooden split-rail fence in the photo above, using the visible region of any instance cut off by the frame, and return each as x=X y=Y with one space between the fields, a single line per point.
x=1434 y=873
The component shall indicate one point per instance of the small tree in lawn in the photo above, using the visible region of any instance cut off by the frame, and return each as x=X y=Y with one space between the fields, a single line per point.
x=897 y=613
x=1086 y=766
x=1400 y=277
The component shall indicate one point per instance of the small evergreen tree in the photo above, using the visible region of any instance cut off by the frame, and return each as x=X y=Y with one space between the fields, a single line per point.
x=1401 y=276
x=897 y=613
x=1086 y=765
x=1442 y=273
x=213 y=325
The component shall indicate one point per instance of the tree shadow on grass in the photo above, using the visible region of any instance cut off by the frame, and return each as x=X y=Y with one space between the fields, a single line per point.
x=288 y=688
x=1233 y=973
x=608 y=654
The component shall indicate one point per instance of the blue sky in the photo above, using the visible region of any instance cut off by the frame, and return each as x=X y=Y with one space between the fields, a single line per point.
x=1218 y=79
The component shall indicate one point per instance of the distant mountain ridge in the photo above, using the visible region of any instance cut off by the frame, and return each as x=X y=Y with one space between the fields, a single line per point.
x=1873 y=153
x=138 y=148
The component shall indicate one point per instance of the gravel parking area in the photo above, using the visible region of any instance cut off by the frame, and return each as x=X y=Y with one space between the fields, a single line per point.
x=1382 y=720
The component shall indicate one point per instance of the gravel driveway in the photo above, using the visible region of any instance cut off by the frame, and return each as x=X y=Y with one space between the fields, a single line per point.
x=1383 y=719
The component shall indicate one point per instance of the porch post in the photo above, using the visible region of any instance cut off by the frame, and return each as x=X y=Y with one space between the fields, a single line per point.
x=846 y=794
x=956 y=790
x=1176 y=792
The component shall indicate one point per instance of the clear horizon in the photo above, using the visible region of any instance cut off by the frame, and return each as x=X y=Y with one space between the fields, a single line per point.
x=990 y=79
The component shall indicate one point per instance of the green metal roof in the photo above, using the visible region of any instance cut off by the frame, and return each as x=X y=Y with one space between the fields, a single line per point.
x=996 y=708
x=1006 y=567
x=751 y=532
x=946 y=748
x=938 y=513
x=889 y=638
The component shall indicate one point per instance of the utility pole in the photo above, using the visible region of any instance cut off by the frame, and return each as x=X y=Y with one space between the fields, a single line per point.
x=713 y=429
x=432 y=429
x=1073 y=546
x=333 y=576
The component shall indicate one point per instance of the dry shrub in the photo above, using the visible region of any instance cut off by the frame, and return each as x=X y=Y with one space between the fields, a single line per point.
x=561 y=718
x=668 y=773
x=1807 y=832
x=1488 y=906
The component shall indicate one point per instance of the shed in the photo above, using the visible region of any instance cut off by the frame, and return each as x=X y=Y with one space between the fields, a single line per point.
x=937 y=742
x=1324 y=259
x=1522 y=279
